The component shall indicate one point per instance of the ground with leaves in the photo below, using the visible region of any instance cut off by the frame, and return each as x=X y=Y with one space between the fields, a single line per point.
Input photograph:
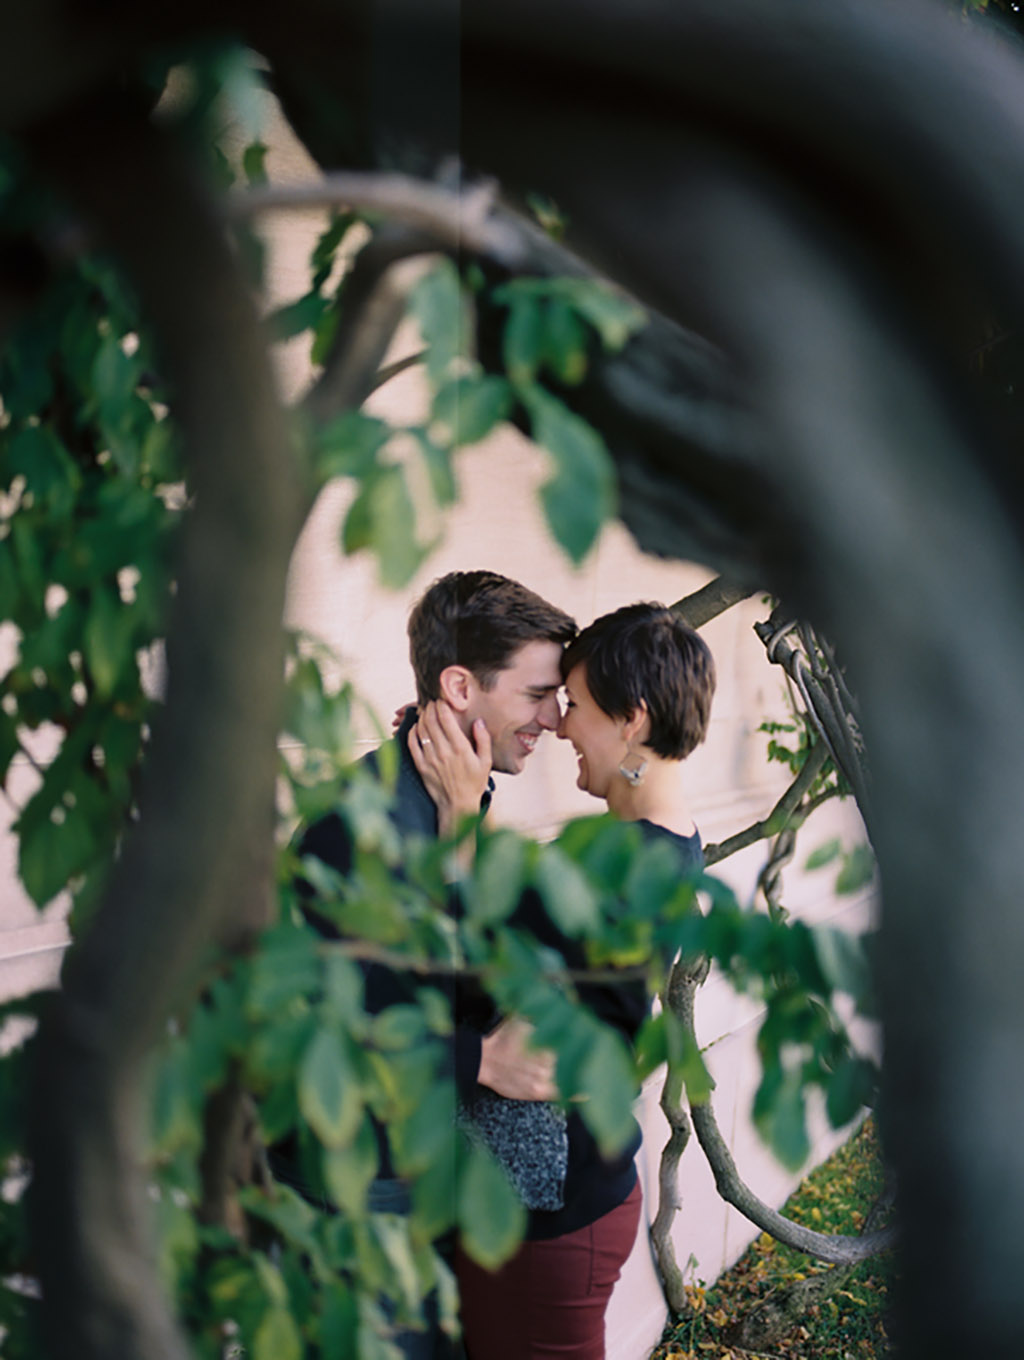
x=851 y=1325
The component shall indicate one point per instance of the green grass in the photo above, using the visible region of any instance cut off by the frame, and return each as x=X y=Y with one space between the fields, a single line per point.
x=851 y=1325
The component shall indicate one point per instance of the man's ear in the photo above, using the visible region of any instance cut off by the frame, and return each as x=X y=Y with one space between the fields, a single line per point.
x=636 y=728
x=456 y=686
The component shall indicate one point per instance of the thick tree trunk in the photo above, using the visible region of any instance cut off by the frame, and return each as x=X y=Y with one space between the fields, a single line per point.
x=197 y=869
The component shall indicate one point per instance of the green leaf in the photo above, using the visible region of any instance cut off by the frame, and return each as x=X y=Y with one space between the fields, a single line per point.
x=348 y=445
x=329 y=1096
x=175 y=1117
x=491 y=1216
x=780 y=1117
x=392 y=1232
x=10 y=585
x=296 y=317
x=651 y=1047
x=567 y=894
x=254 y=163
x=497 y=878
x=348 y=1171
x=437 y=304
x=275 y=1051
x=178 y=1241
x=9 y=744
x=653 y=880
x=685 y=1055
x=842 y=960
x=115 y=375
x=383 y=518
x=427 y=1135
x=277 y=1337
x=824 y=854
x=608 y=1085
x=614 y=316
x=38 y=455
x=439 y=467
x=285 y=968
x=523 y=339
x=565 y=342
x=581 y=495
x=107 y=642
x=472 y=405
x=857 y=871
x=434 y=1196
x=322 y=259
x=323 y=336
x=285 y=1209
x=339 y=1320
x=50 y=852
x=850 y=1088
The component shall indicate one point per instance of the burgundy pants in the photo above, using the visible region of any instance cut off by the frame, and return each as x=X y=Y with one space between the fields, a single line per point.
x=550 y=1299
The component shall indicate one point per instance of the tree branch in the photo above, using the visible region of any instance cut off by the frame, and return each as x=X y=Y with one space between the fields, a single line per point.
x=711 y=600
x=734 y=1190
x=781 y=1309
x=781 y=815
x=684 y=973
x=373 y=304
x=455 y=219
x=824 y=703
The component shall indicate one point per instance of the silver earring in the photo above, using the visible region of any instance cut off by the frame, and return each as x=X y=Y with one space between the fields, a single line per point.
x=632 y=769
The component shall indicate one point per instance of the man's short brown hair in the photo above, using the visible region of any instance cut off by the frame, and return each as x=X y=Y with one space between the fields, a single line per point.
x=643 y=653
x=479 y=620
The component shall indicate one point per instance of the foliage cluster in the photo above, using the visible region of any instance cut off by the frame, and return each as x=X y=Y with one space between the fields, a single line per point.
x=93 y=491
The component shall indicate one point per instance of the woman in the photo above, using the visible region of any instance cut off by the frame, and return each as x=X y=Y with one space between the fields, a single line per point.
x=638 y=686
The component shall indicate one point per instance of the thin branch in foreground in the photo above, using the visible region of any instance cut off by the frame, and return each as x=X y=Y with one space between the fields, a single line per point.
x=459 y=219
x=374 y=301
x=389 y=371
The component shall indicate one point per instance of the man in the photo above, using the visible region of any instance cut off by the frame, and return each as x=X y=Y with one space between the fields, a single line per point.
x=490 y=649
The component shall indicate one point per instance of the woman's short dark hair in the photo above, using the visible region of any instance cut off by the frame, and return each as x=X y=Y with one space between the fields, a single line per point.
x=479 y=620
x=643 y=653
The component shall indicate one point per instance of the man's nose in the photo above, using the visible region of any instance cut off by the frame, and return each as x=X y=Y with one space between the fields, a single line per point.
x=549 y=714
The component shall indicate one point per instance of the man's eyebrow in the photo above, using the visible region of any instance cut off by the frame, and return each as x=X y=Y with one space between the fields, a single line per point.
x=543 y=689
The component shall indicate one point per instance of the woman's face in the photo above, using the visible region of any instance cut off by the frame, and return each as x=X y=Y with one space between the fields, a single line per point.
x=597 y=737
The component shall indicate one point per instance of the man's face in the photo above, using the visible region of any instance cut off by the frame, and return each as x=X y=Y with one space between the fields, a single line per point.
x=520 y=705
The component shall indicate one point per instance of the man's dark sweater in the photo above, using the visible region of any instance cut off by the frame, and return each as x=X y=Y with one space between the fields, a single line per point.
x=413 y=813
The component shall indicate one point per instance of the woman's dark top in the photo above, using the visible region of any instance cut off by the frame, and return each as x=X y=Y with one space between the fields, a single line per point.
x=593 y=1186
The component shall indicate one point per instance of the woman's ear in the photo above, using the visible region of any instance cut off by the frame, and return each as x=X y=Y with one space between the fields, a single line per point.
x=456 y=685
x=636 y=728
